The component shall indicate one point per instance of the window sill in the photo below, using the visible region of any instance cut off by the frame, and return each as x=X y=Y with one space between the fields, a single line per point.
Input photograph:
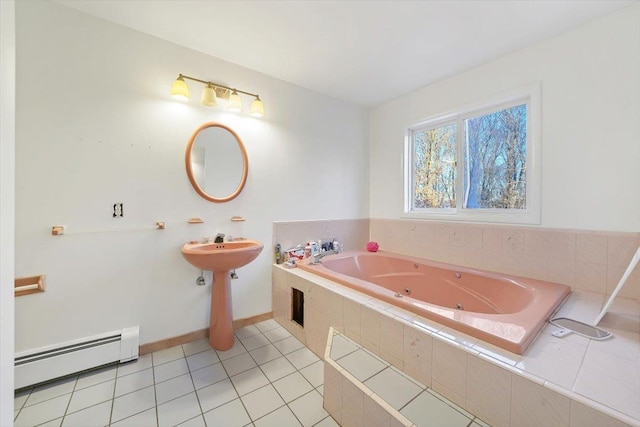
x=528 y=218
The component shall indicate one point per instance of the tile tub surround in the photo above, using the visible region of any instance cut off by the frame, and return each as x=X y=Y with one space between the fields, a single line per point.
x=352 y=233
x=364 y=390
x=585 y=260
x=594 y=380
x=506 y=311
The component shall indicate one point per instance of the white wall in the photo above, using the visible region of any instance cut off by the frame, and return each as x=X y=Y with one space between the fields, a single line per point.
x=95 y=126
x=7 y=205
x=590 y=131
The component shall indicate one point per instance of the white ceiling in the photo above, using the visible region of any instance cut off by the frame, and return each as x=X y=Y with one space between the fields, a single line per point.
x=365 y=52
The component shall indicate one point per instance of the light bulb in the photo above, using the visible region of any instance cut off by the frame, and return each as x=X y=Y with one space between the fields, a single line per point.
x=179 y=89
x=208 y=97
x=257 y=108
x=235 y=102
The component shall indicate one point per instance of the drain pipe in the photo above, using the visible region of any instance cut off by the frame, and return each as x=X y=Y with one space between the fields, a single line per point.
x=200 y=279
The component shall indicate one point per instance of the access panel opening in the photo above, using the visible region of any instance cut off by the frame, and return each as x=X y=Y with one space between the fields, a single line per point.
x=297 y=306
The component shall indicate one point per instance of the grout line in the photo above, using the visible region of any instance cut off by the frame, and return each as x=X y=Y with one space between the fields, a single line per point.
x=580 y=366
x=232 y=384
x=17 y=414
x=41 y=385
x=406 y=404
x=54 y=397
x=328 y=416
x=153 y=376
x=448 y=402
x=192 y=418
x=271 y=383
x=132 y=391
x=75 y=383
x=136 y=413
x=155 y=394
x=113 y=397
x=270 y=412
x=300 y=397
x=80 y=410
x=194 y=384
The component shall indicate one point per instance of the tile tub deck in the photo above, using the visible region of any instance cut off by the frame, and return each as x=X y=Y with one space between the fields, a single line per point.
x=582 y=382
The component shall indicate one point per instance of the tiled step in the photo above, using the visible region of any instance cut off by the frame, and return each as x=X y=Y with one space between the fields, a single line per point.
x=363 y=390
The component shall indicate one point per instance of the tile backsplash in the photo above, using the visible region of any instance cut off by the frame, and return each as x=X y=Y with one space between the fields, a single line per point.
x=588 y=260
x=351 y=233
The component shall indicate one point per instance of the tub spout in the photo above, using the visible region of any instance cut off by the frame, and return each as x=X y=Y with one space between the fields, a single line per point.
x=317 y=257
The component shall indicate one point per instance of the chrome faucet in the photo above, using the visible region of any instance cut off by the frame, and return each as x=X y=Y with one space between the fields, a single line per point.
x=317 y=257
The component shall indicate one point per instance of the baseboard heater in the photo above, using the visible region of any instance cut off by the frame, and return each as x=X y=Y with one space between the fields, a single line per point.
x=47 y=363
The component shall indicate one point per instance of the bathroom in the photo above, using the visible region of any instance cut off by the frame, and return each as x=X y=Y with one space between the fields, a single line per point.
x=91 y=102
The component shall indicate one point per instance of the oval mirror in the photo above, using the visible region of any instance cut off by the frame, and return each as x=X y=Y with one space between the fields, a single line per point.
x=216 y=162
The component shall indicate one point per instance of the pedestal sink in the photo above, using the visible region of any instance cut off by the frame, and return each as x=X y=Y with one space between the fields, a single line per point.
x=221 y=258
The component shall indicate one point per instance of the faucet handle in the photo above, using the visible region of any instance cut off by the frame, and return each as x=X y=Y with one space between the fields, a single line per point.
x=315 y=258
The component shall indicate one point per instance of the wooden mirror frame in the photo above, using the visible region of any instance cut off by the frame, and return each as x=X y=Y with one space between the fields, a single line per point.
x=245 y=164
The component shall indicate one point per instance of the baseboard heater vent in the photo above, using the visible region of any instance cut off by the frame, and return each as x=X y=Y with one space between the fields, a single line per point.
x=47 y=363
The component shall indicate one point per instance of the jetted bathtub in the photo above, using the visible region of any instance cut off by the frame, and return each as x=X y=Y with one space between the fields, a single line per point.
x=503 y=310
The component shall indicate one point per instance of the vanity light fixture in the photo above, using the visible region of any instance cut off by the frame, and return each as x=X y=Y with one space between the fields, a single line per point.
x=212 y=91
x=180 y=90
x=257 y=107
x=209 y=97
x=235 y=102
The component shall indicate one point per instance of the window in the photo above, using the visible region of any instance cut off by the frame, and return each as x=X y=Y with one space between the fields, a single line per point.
x=434 y=172
x=476 y=165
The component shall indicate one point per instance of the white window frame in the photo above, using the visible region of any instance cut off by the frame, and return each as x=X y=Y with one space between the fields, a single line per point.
x=529 y=95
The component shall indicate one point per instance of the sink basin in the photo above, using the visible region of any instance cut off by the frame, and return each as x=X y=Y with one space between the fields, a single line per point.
x=220 y=257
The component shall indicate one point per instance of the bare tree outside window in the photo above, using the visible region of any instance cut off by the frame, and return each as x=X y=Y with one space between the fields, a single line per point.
x=434 y=183
x=493 y=148
x=496 y=159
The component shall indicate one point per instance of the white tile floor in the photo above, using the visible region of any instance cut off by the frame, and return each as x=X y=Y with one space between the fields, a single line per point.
x=423 y=406
x=267 y=379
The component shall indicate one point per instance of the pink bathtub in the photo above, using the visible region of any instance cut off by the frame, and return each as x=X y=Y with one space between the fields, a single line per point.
x=503 y=310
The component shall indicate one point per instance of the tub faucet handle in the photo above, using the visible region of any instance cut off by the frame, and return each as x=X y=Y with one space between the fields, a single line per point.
x=315 y=258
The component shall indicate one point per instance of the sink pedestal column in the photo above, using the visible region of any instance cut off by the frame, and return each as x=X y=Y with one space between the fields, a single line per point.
x=221 y=325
